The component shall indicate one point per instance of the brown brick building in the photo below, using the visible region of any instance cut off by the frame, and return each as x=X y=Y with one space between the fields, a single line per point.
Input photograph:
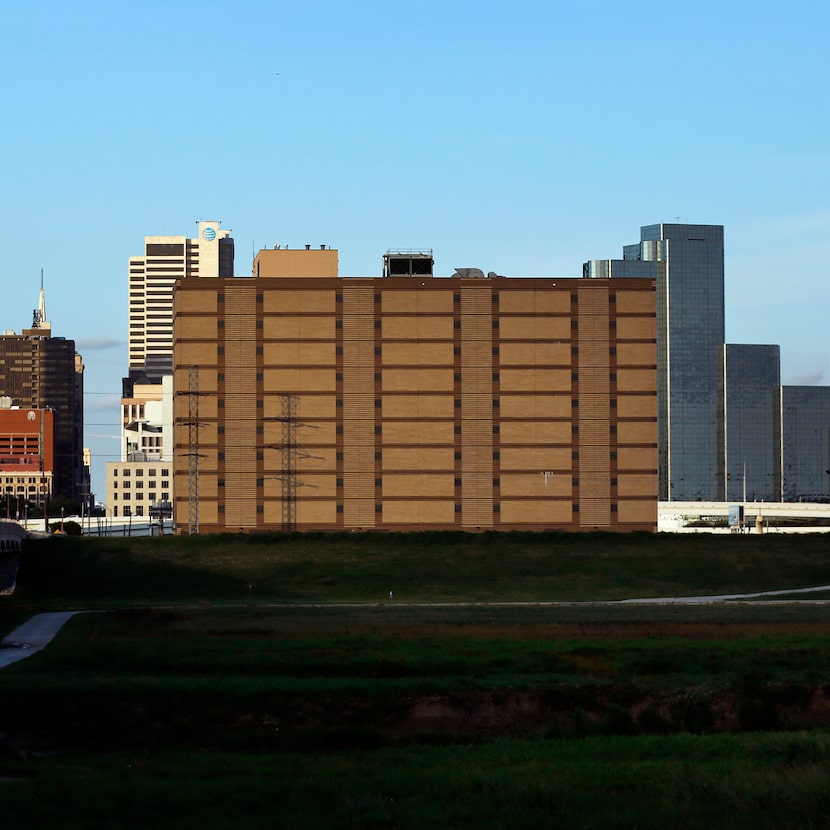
x=38 y=371
x=413 y=402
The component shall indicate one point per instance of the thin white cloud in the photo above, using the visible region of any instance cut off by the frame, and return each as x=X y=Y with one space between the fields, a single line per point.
x=98 y=343
x=808 y=378
x=102 y=402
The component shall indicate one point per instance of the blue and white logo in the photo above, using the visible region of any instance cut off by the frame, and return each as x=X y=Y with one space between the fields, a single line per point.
x=209 y=234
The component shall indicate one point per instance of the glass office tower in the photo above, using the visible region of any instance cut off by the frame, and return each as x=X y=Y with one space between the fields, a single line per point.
x=690 y=336
x=752 y=422
x=805 y=426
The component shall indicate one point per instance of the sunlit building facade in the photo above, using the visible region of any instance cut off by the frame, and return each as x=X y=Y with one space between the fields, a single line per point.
x=27 y=458
x=138 y=488
x=412 y=402
x=152 y=277
x=146 y=395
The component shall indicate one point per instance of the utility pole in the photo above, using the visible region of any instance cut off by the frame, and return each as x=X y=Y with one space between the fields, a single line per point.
x=744 y=494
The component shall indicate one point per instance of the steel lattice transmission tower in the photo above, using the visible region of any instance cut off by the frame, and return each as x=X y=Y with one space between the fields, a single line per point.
x=290 y=455
x=192 y=453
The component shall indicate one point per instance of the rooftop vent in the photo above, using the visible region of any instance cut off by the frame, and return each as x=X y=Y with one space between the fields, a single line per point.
x=469 y=273
x=408 y=263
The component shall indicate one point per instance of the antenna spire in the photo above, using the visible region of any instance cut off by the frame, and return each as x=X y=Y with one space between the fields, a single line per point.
x=39 y=314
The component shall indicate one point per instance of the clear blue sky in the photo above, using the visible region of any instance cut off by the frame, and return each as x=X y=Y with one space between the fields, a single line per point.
x=522 y=138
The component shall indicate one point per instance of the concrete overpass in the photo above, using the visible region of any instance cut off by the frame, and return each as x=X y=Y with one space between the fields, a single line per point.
x=803 y=516
x=12 y=536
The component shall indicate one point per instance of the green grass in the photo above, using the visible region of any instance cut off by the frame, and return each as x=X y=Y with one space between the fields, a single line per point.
x=489 y=567
x=746 y=781
x=297 y=648
x=268 y=681
x=341 y=676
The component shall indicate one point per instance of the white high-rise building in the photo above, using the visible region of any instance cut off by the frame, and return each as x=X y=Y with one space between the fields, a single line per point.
x=147 y=422
x=152 y=277
x=147 y=396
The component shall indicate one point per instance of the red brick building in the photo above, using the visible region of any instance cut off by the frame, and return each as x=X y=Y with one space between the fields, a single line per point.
x=26 y=454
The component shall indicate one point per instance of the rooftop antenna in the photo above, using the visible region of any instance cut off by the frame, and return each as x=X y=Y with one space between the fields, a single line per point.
x=39 y=314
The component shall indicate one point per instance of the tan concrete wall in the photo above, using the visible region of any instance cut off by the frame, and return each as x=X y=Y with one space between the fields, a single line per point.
x=535 y=380
x=417 y=354
x=293 y=353
x=637 y=432
x=637 y=458
x=536 y=459
x=192 y=354
x=317 y=511
x=417 y=459
x=534 y=301
x=294 y=328
x=456 y=403
x=535 y=432
x=300 y=380
x=535 y=328
x=636 y=485
x=422 y=380
x=429 y=485
x=636 y=354
x=541 y=514
x=422 y=300
x=203 y=303
x=418 y=432
x=631 y=328
x=418 y=405
x=418 y=513
x=635 y=406
x=288 y=302
x=637 y=512
x=417 y=328
x=635 y=302
x=310 y=406
x=534 y=483
x=291 y=262
x=636 y=380
x=535 y=354
x=537 y=406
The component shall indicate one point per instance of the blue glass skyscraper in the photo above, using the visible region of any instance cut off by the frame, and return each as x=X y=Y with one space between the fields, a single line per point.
x=687 y=262
x=805 y=426
x=690 y=335
x=752 y=422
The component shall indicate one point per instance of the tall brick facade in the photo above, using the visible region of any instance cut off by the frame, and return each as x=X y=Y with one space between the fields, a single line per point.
x=415 y=403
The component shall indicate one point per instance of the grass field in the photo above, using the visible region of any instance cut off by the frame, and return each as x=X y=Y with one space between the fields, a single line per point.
x=489 y=567
x=270 y=681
